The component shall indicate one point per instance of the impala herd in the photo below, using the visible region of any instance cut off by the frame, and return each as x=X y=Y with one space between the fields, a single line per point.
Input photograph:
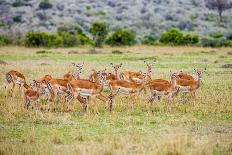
x=72 y=86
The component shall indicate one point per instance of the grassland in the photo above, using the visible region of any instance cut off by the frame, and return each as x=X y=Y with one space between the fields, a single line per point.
x=205 y=128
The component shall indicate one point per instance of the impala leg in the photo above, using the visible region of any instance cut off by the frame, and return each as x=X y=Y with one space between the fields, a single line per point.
x=12 y=89
x=93 y=99
x=193 y=95
x=51 y=102
x=151 y=100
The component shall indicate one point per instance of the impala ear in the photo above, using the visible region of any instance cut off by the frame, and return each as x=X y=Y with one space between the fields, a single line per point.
x=195 y=69
x=205 y=69
x=120 y=64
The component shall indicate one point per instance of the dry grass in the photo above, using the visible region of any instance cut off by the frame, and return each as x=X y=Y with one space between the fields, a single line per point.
x=201 y=129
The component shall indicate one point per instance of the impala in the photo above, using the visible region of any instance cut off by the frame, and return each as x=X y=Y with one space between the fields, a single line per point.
x=109 y=77
x=31 y=96
x=58 y=87
x=87 y=89
x=116 y=68
x=136 y=76
x=191 y=86
x=159 y=89
x=14 y=77
x=125 y=87
x=182 y=75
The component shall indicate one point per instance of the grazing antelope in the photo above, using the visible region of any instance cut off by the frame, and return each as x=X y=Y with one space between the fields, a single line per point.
x=191 y=86
x=14 y=77
x=159 y=89
x=88 y=89
x=125 y=87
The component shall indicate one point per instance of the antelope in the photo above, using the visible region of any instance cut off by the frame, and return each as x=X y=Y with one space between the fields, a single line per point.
x=136 y=76
x=109 y=77
x=159 y=89
x=58 y=87
x=125 y=87
x=14 y=77
x=182 y=75
x=191 y=86
x=116 y=68
x=31 y=96
x=87 y=89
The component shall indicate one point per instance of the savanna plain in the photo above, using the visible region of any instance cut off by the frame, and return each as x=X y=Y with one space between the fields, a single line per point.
x=201 y=128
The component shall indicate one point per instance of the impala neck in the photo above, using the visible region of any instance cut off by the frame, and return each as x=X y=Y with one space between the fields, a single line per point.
x=26 y=86
x=173 y=81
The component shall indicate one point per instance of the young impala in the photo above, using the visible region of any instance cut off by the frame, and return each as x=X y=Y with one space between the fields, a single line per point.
x=191 y=86
x=116 y=68
x=87 y=89
x=14 y=77
x=158 y=89
x=125 y=87
x=31 y=96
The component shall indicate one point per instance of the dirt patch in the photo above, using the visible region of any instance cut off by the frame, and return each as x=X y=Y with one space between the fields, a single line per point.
x=117 y=52
x=43 y=52
x=3 y=62
x=73 y=52
x=45 y=64
x=93 y=51
x=227 y=66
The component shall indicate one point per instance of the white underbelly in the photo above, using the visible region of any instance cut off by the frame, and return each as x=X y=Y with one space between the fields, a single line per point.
x=85 y=92
x=184 y=89
x=137 y=80
x=160 y=93
x=125 y=91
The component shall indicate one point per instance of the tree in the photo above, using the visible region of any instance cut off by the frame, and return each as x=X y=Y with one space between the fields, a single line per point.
x=121 y=37
x=99 y=31
x=219 y=5
x=45 y=4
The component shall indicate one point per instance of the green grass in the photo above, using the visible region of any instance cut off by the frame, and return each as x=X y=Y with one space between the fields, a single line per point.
x=203 y=128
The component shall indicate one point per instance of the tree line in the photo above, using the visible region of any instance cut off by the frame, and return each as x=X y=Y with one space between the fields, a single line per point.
x=99 y=35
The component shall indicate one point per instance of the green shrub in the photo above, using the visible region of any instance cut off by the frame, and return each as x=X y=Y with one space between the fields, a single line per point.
x=99 y=31
x=17 y=19
x=36 y=39
x=212 y=42
x=55 y=41
x=69 y=39
x=72 y=29
x=4 y=40
x=175 y=37
x=121 y=37
x=84 y=39
x=45 y=4
x=148 y=40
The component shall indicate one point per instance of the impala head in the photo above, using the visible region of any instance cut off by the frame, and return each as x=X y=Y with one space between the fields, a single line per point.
x=200 y=72
x=78 y=66
x=116 y=67
x=102 y=77
x=149 y=66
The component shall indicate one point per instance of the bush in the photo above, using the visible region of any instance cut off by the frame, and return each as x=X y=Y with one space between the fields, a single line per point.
x=212 y=42
x=4 y=40
x=45 y=4
x=72 y=29
x=121 y=37
x=117 y=52
x=175 y=37
x=36 y=39
x=17 y=19
x=69 y=39
x=148 y=40
x=99 y=32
